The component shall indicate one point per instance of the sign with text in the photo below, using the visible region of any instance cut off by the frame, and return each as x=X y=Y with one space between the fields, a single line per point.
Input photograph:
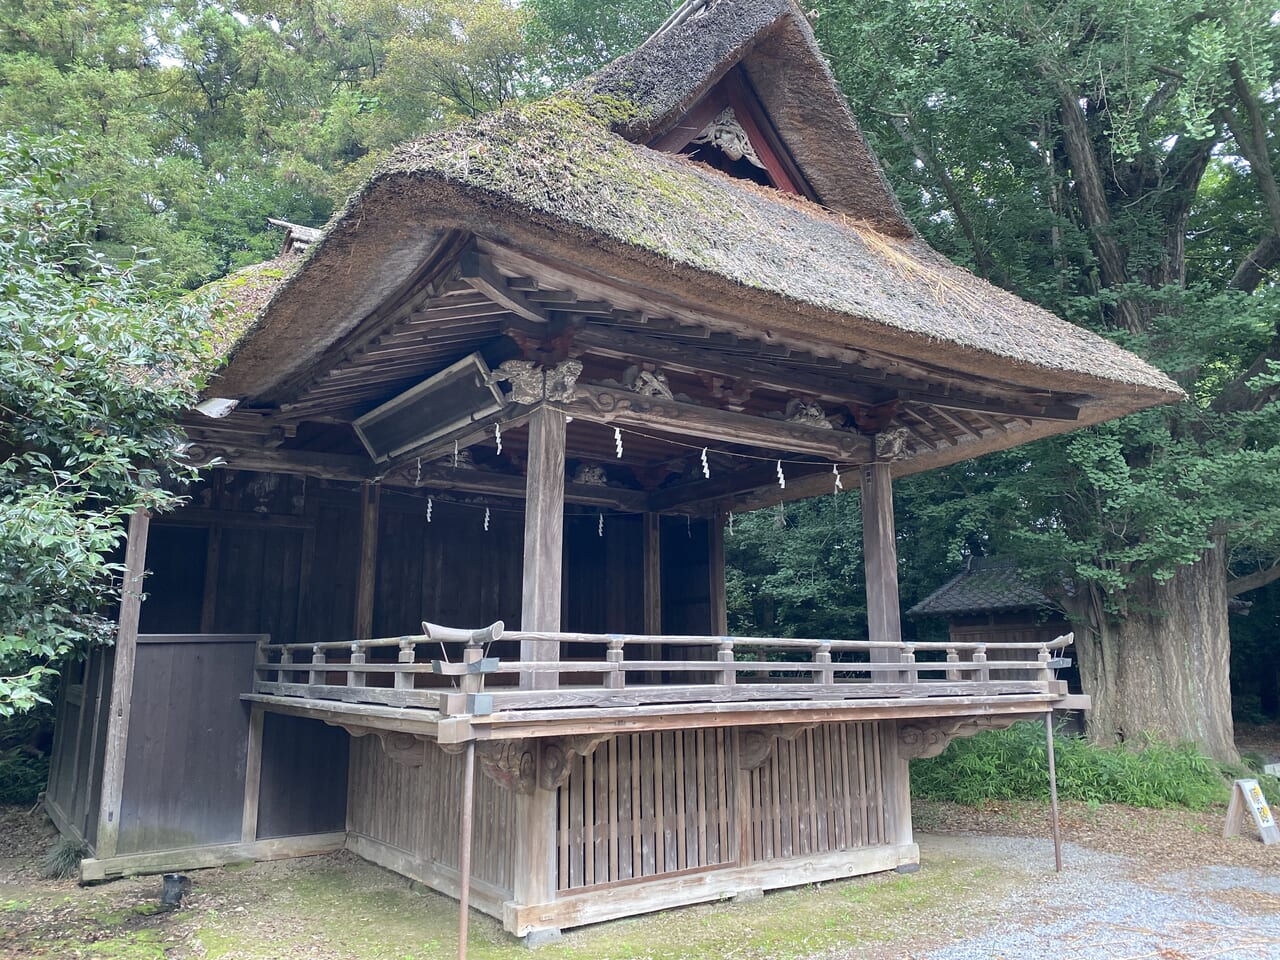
x=1247 y=794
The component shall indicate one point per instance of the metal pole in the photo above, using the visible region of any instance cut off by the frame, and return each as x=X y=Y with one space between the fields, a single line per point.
x=1053 y=794
x=464 y=847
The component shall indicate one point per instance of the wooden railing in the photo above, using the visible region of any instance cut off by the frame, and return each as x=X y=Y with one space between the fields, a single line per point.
x=450 y=670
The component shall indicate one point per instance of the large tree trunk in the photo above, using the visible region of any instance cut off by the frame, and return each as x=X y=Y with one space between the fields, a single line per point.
x=1163 y=668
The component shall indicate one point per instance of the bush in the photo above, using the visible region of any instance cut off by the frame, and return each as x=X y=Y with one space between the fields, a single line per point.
x=1012 y=764
x=22 y=777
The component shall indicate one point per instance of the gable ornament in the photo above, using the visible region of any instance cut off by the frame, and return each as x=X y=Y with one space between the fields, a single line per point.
x=726 y=134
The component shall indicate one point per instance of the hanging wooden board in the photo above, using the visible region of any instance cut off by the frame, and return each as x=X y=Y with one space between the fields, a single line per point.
x=1247 y=795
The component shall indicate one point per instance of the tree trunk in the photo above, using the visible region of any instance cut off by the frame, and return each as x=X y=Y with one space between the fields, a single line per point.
x=1163 y=669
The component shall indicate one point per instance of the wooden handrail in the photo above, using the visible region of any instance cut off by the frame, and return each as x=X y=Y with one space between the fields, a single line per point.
x=459 y=687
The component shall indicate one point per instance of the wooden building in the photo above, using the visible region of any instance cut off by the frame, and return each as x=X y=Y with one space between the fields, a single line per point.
x=526 y=375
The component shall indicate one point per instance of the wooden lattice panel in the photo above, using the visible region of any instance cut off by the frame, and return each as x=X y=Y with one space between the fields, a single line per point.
x=647 y=804
x=818 y=793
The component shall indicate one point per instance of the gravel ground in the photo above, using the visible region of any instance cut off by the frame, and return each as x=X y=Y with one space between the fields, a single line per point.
x=1100 y=908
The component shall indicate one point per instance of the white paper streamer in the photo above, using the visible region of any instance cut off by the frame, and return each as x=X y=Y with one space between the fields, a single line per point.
x=839 y=484
x=617 y=441
x=600 y=526
x=706 y=469
x=429 y=505
x=782 y=480
x=455 y=454
x=418 y=476
x=731 y=523
x=497 y=435
x=486 y=519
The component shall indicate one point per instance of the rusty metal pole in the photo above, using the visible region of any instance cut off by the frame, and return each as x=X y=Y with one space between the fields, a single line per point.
x=464 y=846
x=1053 y=794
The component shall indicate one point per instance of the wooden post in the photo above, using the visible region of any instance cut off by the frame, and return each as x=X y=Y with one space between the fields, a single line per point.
x=1053 y=794
x=652 y=561
x=367 y=574
x=122 y=686
x=472 y=684
x=543 y=541
x=884 y=622
x=535 y=833
x=252 y=776
x=719 y=606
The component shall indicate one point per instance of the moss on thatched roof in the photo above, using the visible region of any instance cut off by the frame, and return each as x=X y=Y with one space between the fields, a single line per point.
x=564 y=176
x=239 y=298
x=558 y=158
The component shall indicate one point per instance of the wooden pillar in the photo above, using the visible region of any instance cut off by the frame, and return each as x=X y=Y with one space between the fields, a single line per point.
x=880 y=558
x=896 y=788
x=543 y=539
x=652 y=562
x=715 y=545
x=535 y=834
x=122 y=686
x=367 y=574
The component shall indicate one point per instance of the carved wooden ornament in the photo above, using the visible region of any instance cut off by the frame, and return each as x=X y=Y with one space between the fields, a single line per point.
x=726 y=134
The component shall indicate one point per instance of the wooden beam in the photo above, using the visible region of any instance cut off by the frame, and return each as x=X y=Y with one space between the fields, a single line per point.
x=367 y=572
x=758 y=482
x=126 y=649
x=652 y=559
x=884 y=623
x=214 y=855
x=842 y=384
x=479 y=272
x=621 y=408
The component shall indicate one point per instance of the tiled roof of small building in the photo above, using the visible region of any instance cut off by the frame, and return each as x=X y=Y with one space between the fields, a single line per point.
x=985 y=585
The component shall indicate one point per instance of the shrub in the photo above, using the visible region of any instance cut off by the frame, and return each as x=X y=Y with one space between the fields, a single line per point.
x=22 y=776
x=63 y=859
x=1012 y=764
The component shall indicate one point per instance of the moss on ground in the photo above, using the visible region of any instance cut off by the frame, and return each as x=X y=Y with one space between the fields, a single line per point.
x=340 y=907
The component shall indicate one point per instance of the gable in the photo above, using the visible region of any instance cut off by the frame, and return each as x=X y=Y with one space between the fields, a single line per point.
x=764 y=52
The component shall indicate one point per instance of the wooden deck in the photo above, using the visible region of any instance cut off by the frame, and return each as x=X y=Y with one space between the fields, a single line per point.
x=448 y=684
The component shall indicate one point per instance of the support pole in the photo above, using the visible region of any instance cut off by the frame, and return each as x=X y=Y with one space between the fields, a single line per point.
x=715 y=550
x=1053 y=794
x=122 y=686
x=464 y=846
x=652 y=563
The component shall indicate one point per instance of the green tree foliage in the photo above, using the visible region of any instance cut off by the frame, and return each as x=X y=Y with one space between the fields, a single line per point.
x=95 y=364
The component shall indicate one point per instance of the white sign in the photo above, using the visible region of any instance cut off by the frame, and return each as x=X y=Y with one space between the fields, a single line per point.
x=1247 y=793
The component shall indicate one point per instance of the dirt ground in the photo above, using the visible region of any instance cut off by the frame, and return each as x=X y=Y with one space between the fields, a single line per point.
x=980 y=868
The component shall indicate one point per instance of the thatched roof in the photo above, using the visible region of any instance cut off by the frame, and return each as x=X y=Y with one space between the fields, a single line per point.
x=650 y=89
x=986 y=585
x=558 y=178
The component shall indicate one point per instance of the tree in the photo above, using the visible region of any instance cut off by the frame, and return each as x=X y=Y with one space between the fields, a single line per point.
x=95 y=365
x=1117 y=164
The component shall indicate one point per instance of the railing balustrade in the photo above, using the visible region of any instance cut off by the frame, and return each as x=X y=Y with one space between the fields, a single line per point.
x=449 y=670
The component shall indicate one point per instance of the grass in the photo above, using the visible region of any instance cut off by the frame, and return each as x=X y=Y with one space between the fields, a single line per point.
x=63 y=859
x=1010 y=765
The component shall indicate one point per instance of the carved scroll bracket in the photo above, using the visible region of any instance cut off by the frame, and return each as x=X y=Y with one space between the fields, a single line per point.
x=755 y=744
x=406 y=748
x=532 y=383
x=525 y=765
x=920 y=739
x=892 y=444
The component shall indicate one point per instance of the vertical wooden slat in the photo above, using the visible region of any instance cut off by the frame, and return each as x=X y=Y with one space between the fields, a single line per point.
x=659 y=806
x=563 y=838
x=682 y=848
x=775 y=814
x=722 y=788
x=126 y=648
x=700 y=790
x=589 y=818
x=637 y=807
x=614 y=810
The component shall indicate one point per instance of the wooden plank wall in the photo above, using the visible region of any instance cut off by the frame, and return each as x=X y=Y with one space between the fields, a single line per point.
x=686 y=577
x=79 y=741
x=185 y=763
x=649 y=805
x=303 y=789
x=416 y=810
